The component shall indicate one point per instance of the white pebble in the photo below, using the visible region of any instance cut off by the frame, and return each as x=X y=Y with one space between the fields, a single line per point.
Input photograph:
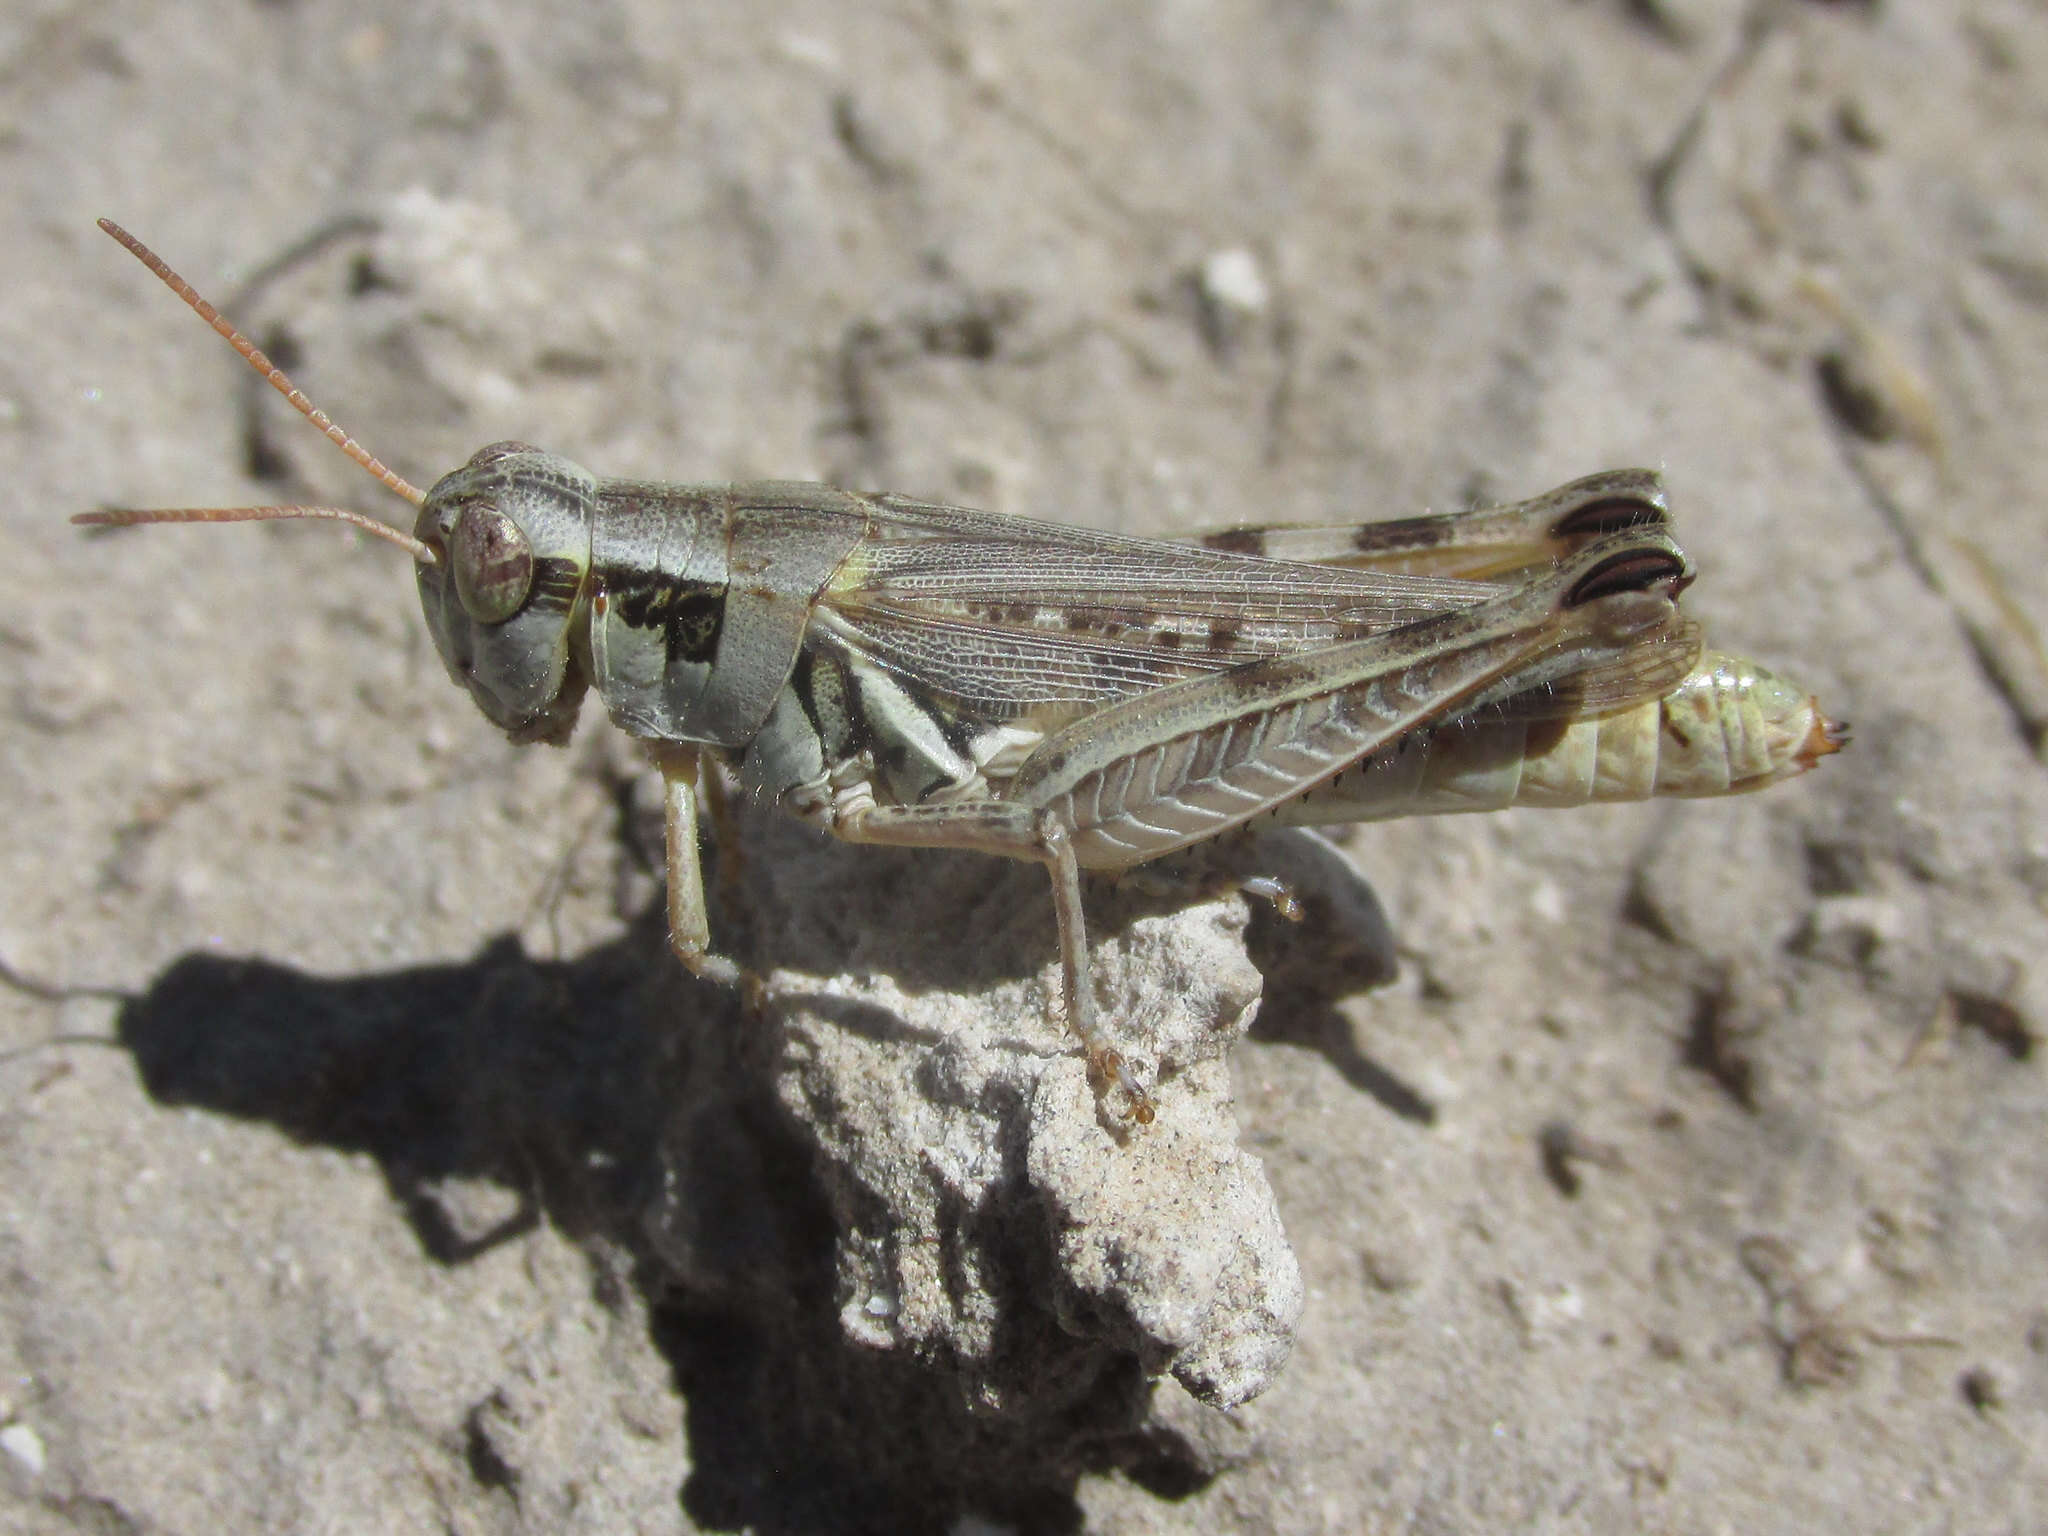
x=1231 y=280
x=25 y=1446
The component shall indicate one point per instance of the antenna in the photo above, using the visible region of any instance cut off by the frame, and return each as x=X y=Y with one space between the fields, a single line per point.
x=276 y=378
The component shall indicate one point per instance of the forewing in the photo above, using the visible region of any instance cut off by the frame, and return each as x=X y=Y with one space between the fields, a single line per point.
x=998 y=673
x=1135 y=581
x=1502 y=543
x=1004 y=616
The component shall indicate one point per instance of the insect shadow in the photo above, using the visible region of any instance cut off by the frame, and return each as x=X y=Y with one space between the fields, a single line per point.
x=590 y=1093
x=1340 y=944
x=633 y=1108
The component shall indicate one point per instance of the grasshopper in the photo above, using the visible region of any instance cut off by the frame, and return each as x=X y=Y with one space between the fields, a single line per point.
x=900 y=672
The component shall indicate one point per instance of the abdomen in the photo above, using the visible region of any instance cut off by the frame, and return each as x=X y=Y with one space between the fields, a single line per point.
x=1729 y=727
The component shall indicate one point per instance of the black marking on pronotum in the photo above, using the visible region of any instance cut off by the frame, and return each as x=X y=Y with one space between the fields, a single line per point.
x=690 y=614
x=695 y=621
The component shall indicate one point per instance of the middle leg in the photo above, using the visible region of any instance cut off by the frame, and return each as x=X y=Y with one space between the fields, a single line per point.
x=1042 y=837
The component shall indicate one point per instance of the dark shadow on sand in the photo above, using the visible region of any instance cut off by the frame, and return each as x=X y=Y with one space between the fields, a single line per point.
x=610 y=1088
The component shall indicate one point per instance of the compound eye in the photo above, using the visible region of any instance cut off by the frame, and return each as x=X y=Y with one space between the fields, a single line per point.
x=492 y=563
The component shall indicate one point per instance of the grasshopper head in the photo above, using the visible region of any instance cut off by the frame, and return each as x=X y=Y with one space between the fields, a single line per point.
x=502 y=546
x=510 y=536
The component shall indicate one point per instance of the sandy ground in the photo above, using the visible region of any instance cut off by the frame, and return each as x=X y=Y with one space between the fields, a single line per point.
x=1691 y=1177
